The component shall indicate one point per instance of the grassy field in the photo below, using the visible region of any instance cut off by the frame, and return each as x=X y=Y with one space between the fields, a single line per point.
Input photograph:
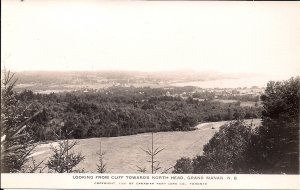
x=243 y=103
x=249 y=104
x=124 y=154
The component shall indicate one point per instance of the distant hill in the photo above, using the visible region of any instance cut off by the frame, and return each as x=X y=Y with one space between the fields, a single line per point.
x=60 y=80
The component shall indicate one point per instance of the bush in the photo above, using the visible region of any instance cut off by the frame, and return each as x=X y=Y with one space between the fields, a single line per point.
x=183 y=166
x=227 y=151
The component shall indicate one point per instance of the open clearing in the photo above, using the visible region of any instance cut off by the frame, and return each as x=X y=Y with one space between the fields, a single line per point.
x=124 y=153
x=243 y=103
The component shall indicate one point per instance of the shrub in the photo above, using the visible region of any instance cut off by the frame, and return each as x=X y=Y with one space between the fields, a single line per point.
x=227 y=151
x=183 y=166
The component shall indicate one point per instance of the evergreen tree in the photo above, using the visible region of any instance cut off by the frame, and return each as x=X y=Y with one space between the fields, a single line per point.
x=62 y=160
x=16 y=136
x=101 y=166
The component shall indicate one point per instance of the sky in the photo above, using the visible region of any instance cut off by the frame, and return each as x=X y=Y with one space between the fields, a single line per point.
x=227 y=37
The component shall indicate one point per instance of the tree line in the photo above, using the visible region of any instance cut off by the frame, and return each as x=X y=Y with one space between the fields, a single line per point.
x=120 y=111
x=272 y=148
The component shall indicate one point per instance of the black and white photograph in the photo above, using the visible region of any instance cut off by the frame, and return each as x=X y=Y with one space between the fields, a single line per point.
x=144 y=88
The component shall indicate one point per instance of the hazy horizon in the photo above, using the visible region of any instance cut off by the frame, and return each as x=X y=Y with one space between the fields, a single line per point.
x=209 y=79
x=256 y=77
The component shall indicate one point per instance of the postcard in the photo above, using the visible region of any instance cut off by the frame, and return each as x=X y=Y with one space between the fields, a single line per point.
x=150 y=94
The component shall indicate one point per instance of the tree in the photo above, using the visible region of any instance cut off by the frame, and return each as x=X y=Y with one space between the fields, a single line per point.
x=16 y=137
x=278 y=137
x=62 y=160
x=227 y=151
x=152 y=153
x=101 y=166
x=271 y=148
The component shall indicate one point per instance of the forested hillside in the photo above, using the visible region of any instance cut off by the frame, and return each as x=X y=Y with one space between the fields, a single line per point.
x=120 y=111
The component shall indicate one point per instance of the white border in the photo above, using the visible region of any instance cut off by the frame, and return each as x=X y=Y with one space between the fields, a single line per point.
x=122 y=181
